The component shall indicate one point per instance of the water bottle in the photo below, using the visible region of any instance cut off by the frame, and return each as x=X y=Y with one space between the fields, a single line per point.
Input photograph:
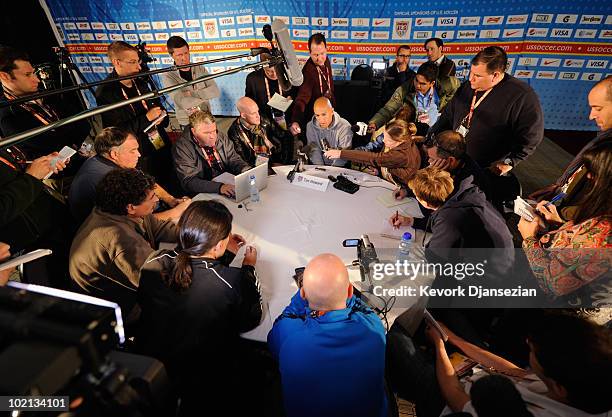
x=404 y=247
x=253 y=189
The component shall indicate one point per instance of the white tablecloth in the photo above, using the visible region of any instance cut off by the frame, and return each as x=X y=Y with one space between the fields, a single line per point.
x=292 y=224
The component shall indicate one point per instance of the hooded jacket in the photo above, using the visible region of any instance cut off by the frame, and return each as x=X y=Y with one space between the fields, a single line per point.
x=468 y=220
x=338 y=134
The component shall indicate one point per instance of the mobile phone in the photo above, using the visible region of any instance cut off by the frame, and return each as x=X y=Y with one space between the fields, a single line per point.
x=63 y=156
x=298 y=276
x=351 y=243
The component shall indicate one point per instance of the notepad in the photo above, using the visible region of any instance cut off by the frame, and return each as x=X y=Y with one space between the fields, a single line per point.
x=279 y=102
x=387 y=200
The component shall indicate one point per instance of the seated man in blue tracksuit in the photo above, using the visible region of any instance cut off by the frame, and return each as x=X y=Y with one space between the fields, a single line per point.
x=330 y=347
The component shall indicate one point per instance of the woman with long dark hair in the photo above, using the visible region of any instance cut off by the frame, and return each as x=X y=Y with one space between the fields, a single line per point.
x=575 y=253
x=194 y=307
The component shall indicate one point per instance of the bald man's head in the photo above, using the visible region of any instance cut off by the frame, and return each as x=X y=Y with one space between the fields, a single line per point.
x=249 y=110
x=324 y=112
x=600 y=101
x=326 y=284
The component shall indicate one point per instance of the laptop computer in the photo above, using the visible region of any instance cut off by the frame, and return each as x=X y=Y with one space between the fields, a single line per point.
x=241 y=181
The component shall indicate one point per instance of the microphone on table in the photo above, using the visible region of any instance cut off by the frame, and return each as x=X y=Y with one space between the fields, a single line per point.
x=360 y=128
x=289 y=71
x=302 y=159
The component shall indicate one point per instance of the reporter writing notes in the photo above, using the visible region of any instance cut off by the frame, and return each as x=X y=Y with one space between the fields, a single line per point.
x=575 y=255
x=32 y=216
x=202 y=153
x=194 y=307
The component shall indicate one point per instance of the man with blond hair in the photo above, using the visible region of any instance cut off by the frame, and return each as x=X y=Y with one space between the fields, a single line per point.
x=331 y=346
x=462 y=217
x=202 y=153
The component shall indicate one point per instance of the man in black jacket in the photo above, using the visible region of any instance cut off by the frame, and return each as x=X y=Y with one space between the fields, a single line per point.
x=499 y=116
x=446 y=66
x=32 y=218
x=261 y=85
x=398 y=73
x=136 y=117
x=446 y=151
x=18 y=79
x=253 y=135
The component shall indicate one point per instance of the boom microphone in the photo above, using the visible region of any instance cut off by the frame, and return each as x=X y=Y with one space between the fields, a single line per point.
x=291 y=71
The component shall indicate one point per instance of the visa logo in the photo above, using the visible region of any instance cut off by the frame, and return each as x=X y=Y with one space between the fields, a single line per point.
x=597 y=64
x=562 y=33
x=447 y=21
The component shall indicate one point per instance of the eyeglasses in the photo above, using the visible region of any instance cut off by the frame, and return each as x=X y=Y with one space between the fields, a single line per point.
x=404 y=56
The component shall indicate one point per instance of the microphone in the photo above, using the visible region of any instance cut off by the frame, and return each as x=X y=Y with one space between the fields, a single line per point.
x=291 y=70
x=302 y=158
x=267 y=32
x=324 y=145
x=360 y=129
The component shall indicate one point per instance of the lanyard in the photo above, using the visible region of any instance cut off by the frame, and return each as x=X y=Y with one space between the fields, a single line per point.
x=255 y=147
x=144 y=103
x=326 y=78
x=18 y=157
x=268 y=88
x=476 y=104
x=425 y=106
x=40 y=111
x=211 y=157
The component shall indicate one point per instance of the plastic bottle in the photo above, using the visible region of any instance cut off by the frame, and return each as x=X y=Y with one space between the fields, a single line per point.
x=405 y=246
x=253 y=189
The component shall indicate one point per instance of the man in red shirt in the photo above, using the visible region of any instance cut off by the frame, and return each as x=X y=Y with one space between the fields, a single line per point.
x=318 y=82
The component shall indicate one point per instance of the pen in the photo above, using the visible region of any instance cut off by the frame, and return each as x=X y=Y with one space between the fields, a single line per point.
x=555 y=199
x=395 y=218
x=320 y=169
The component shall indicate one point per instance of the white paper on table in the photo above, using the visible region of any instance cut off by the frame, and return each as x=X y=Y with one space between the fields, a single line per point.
x=279 y=102
x=225 y=178
x=388 y=200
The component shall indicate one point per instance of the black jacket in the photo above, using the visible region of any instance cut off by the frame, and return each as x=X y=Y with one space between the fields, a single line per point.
x=468 y=220
x=283 y=145
x=130 y=117
x=15 y=119
x=393 y=79
x=195 y=331
x=447 y=67
x=256 y=89
x=30 y=218
x=468 y=168
x=508 y=123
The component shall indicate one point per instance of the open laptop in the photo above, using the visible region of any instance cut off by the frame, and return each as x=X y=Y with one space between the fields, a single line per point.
x=241 y=181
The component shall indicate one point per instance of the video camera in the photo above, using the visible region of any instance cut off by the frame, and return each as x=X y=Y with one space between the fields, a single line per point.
x=59 y=343
x=366 y=255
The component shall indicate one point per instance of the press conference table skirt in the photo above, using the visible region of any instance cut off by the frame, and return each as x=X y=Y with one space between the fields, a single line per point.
x=291 y=224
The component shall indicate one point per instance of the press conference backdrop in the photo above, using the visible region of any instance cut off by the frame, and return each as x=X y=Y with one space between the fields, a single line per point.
x=560 y=48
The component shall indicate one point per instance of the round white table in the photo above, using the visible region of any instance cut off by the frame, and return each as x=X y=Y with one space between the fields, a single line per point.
x=291 y=224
